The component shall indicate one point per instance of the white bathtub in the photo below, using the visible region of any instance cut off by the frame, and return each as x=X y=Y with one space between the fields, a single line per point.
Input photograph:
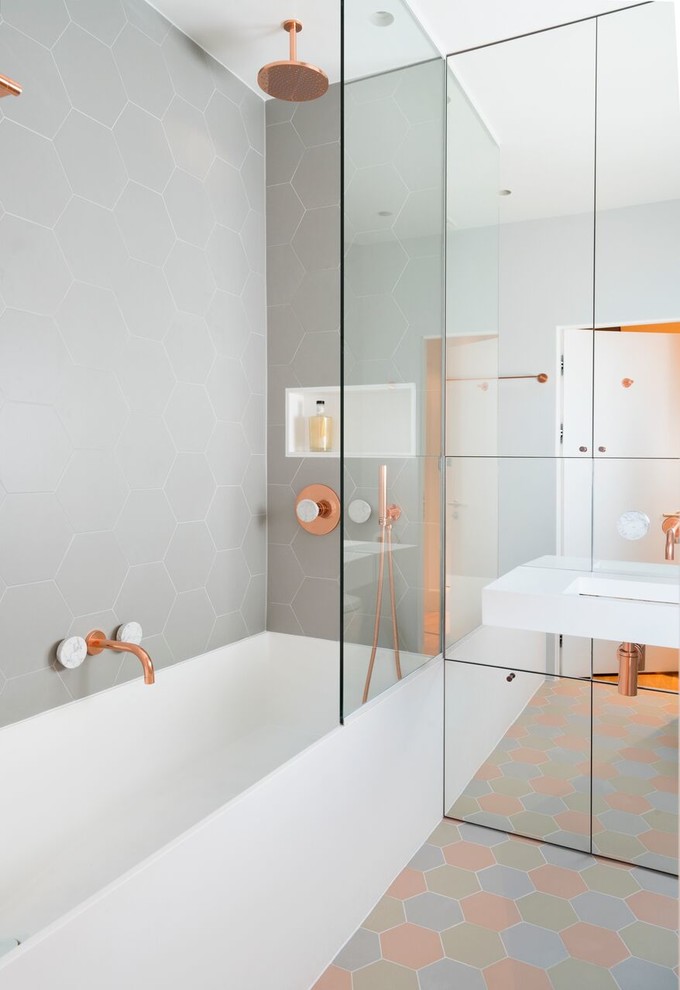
x=214 y=828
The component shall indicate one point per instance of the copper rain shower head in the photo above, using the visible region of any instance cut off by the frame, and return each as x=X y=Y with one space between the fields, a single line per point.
x=8 y=87
x=289 y=79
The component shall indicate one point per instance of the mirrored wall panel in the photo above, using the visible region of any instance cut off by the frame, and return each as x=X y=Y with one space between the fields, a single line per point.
x=563 y=448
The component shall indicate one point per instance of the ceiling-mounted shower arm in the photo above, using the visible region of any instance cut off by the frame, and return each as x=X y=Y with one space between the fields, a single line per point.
x=293 y=28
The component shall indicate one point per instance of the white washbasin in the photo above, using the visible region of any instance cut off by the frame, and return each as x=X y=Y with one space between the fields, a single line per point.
x=612 y=605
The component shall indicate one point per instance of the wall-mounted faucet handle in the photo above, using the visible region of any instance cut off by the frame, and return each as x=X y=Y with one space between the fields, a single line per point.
x=71 y=652
x=130 y=632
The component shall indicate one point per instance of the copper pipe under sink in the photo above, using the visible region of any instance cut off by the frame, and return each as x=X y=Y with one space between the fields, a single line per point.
x=631 y=657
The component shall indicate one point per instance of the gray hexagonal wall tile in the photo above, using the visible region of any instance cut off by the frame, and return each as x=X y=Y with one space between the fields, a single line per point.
x=317 y=239
x=189 y=624
x=227 y=629
x=255 y=484
x=92 y=409
x=317 y=558
x=102 y=18
x=188 y=137
x=33 y=358
x=228 y=389
x=228 y=324
x=419 y=158
x=145 y=375
x=143 y=71
x=374 y=264
x=90 y=492
x=284 y=153
x=39 y=20
x=146 y=596
x=35 y=534
x=145 y=452
x=253 y=239
x=189 y=208
x=376 y=324
x=190 y=556
x=317 y=300
x=44 y=104
x=285 y=576
x=30 y=694
x=34 y=448
x=190 y=278
x=255 y=545
x=253 y=114
x=144 y=224
x=254 y=607
x=284 y=274
x=419 y=226
x=318 y=122
x=30 y=248
x=284 y=212
x=284 y=337
x=318 y=359
x=228 y=197
x=254 y=425
x=226 y=129
x=91 y=242
x=374 y=131
x=90 y=75
x=189 y=417
x=144 y=147
x=227 y=259
x=145 y=300
x=91 y=572
x=375 y=196
x=40 y=608
x=34 y=185
x=416 y=290
x=148 y=20
x=228 y=518
x=91 y=159
x=228 y=581
x=145 y=527
x=189 y=487
x=317 y=179
x=190 y=348
x=84 y=306
x=187 y=64
x=228 y=453
x=252 y=173
x=254 y=362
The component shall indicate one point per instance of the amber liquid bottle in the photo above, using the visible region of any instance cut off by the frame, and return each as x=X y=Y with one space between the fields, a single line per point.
x=320 y=429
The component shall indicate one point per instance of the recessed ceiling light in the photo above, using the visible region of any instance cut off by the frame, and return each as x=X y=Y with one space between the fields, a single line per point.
x=384 y=213
x=381 y=18
x=505 y=192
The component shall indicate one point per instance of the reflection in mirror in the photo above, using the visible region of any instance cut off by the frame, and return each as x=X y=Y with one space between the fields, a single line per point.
x=525 y=764
x=635 y=774
x=563 y=573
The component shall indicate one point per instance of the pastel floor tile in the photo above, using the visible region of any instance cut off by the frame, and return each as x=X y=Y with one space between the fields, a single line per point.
x=510 y=974
x=608 y=879
x=433 y=911
x=595 y=945
x=469 y=855
x=534 y=945
x=388 y=913
x=334 y=979
x=452 y=881
x=602 y=909
x=473 y=945
x=656 y=945
x=490 y=911
x=411 y=945
x=505 y=881
x=637 y=974
x=447 y=974
x=557 y=880
x=654 y=908
x=520 y=855
x=547 y=911
x=427 y=858
x=362 y=948
x=385 y=975
x=572 y=974
x=408 y=884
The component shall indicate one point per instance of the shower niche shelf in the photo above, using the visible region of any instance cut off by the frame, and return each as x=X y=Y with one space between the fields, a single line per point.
x=380 y=420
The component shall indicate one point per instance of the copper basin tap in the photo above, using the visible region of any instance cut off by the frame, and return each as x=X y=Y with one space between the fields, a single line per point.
x=97 y=642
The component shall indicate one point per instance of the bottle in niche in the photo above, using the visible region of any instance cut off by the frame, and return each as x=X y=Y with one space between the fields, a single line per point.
x=320 y=429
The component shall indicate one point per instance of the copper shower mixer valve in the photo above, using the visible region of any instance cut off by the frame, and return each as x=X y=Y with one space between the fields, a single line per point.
x=317 y=508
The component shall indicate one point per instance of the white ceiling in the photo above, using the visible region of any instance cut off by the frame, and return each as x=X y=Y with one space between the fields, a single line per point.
x=244 y=36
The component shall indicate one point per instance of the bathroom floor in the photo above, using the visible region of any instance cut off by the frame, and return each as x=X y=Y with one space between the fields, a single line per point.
x=537 y=781
x=477 y=909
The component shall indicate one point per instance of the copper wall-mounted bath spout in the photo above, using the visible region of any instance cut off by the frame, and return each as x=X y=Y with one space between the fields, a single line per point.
x=631 y=657
x=8 y=87
x=671 y=527
x=97 y=642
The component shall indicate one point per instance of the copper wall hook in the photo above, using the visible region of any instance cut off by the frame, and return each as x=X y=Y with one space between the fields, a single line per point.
x=627 y=382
